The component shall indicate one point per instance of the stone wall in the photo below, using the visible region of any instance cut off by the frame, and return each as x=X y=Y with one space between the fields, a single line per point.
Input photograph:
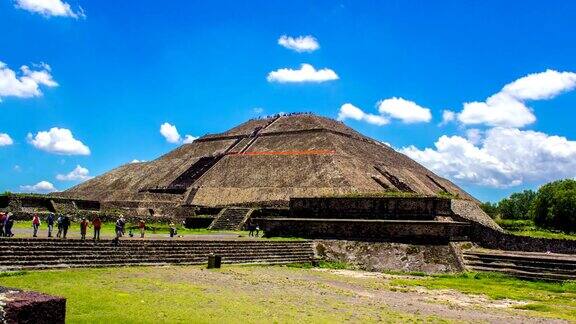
x=493 y=239
x=386 y=256
x=368 y=230
x=370 y=207
x=30 y=307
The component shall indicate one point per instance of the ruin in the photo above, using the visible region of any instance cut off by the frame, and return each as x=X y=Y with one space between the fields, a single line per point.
x=312 y=177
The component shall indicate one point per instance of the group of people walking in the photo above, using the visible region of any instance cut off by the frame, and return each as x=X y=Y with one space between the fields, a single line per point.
x=6 y=224
x=63 y=223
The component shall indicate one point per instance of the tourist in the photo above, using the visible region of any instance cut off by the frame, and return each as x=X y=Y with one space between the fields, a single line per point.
x=8 y=223
x=2 y=219
x=142 y=227
x=172 y=229
x=83 y=228
x=65 y=225
x=251 y=228
x=35 y=225
x=97 y=224
x=50 y=222
x=120 y=223
x=59 y=224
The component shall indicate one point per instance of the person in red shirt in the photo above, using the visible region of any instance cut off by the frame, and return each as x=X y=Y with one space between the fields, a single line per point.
x=83 y=228
x=35 y=224
x=142 y=227
x=97 y=223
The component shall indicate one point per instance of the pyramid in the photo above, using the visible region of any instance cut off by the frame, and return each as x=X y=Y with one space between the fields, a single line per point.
x=265 y=162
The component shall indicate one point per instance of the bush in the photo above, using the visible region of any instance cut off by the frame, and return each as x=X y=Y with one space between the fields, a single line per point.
x=555 y=206
x=517 y=206
x=490 y=209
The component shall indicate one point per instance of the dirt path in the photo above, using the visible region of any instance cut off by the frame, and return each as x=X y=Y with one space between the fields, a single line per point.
x=447 y=304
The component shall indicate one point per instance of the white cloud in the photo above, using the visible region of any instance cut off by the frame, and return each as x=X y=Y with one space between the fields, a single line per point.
x=405 y=110
x=306 y=73
x=506 y=157
x=474 y=135
x=49 y=8
x=5 y=139
x=349 y=111
x=78 y=174
x=189 y=139
x=544 y=85
x=258 y=110
x=58 y=141
x=299 y=44
x=507 y=108
x=17 y=168
x=27 y=84
x=447 y=116
x=137 y=161
x=40 y=187
x=170 y=133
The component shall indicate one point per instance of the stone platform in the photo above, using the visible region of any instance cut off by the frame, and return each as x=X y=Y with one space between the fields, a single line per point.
x=30 y=307
x=366 y=230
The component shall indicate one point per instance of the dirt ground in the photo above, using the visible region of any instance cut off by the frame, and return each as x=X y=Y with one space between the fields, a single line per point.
x=260 y=294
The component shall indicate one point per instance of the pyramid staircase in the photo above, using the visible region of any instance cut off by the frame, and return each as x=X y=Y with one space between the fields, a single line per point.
x=231 y=219
x=21 y=254
x=525 y=265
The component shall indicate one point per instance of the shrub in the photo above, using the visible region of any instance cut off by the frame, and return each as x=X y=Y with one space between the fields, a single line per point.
x=555 y=206
x=517 y=206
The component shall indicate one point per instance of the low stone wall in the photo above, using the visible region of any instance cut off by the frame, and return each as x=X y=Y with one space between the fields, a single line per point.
x=370 y=207
x=386 y=256
x=369 y=230
x=494 y=239
x=30 y=307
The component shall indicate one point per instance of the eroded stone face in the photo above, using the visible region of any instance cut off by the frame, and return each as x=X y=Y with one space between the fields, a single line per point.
x=30 y=307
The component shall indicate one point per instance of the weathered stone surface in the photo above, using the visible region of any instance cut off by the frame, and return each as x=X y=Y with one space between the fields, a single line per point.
x=31 y=307
x=264 y=161
x=387 y=256
x=429 y=232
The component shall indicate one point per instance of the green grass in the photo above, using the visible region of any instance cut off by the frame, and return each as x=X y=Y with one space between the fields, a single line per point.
x=108 y=228
x=547 y=299
x=234 y=294
x=526 y=227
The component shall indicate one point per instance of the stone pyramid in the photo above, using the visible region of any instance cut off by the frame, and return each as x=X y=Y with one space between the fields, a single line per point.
x=265 y=162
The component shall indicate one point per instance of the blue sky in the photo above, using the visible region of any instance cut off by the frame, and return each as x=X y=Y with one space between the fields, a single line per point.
x=388 y=69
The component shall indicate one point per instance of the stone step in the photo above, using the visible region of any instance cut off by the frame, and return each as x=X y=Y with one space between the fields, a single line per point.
x=526 y=263
x=175 y=261
x=9 y=253
x=153 y=256
x=504 y=265
x=526 y=274
x=142 y=264
x=171 y=259
x=533 y=266
x=522 y=256
x=230 y=219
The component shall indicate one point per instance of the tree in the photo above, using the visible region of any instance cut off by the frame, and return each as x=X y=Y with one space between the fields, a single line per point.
x=517 y=206
x=490 y=208
x=555 y=206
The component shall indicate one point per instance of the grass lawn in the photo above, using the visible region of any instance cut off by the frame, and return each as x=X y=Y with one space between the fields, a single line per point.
x=280 y=294
x=546 y=299
x=195 y=295
x=528 y=228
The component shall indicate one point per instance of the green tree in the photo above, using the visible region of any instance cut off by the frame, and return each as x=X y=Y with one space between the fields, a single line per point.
x=555 y=206
x=517 y=206
x=490 y=208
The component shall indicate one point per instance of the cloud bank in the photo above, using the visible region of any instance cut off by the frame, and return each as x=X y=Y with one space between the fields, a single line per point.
x=306 y=73
x=299 y=44
x=58 y=141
